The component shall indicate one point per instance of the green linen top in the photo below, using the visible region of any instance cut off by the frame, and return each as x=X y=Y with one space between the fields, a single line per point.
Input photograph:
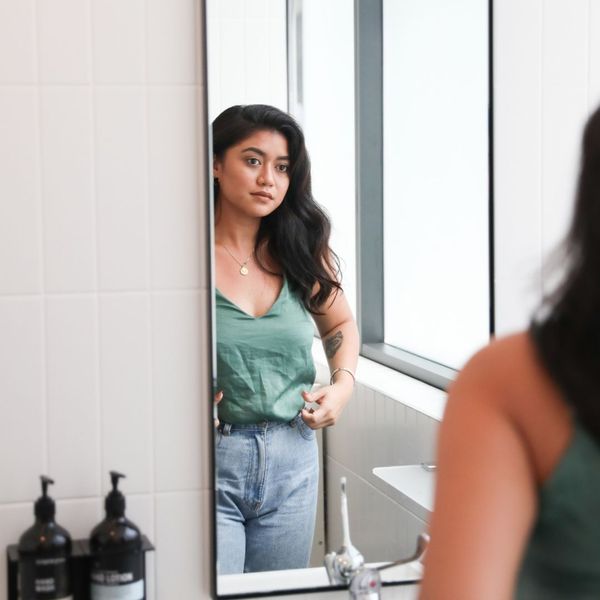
x=263 y=363
x=562 y=558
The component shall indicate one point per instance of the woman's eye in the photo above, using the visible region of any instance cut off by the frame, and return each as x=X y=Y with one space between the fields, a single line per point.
x=283 y=168
x=253 y=161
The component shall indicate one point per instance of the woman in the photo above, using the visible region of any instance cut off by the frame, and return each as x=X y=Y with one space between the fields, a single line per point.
x=275 y=275
x=518 y=491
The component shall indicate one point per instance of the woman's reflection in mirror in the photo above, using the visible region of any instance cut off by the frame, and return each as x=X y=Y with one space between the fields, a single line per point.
x=275 y=276
x=518 y=492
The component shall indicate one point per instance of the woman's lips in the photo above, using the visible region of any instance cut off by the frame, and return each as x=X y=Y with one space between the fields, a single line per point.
x=263 y=195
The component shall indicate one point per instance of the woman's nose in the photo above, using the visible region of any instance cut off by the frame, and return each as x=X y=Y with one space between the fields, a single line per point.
x=265 y=176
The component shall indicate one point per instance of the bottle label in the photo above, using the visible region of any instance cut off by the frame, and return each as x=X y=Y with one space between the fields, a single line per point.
x=118 y=577
x=44 y=578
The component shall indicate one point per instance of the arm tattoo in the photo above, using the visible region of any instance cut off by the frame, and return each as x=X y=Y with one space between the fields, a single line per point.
x=333 y=343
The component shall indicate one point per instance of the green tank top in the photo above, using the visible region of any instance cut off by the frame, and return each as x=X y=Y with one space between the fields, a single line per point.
x=263 y=363
x=562 y=558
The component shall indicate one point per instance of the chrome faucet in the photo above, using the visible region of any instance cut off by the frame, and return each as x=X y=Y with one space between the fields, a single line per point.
x=347 y=565
x=366 y=583
x=347 y=561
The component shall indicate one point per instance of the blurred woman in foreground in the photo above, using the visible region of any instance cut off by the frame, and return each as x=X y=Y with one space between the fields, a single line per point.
x=518 y=491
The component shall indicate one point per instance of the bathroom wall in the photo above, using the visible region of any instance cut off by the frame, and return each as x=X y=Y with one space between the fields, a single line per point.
x=547 y=81
x=103 y=278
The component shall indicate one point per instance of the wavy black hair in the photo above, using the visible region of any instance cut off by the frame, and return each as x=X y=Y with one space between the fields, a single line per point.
x=297 y=233
x=567 y=337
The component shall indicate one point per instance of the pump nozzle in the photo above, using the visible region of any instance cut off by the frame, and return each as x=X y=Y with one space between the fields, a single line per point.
x=114 y=477
x=45 y=508
x=115 y=501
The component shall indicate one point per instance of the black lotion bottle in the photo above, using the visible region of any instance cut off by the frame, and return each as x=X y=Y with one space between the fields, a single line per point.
x=117 y=560
x=44 y=554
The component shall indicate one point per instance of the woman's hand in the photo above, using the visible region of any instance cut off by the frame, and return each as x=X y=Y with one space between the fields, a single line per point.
x=331 y=400
x=218 y=398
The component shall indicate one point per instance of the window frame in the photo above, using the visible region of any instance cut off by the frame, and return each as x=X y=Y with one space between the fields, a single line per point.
x=368 y=47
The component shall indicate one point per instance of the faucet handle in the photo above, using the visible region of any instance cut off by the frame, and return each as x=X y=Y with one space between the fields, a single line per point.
x=422 y=543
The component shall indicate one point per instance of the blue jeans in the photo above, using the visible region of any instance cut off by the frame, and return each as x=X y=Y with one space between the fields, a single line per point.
x=267 y=477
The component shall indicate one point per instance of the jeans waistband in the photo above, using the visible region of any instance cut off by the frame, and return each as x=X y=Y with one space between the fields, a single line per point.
x=227 y=428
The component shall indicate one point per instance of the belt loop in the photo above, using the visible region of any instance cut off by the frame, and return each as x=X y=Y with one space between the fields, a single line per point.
x=226 y=428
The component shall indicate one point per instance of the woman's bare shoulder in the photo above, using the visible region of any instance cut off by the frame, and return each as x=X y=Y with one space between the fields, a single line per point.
x=506 y=370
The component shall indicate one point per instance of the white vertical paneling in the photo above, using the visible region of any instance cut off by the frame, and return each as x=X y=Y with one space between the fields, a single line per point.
x=68 y=203
x=171 y=41
x=121 y=188
x=17 y=42
x=22 y=407
x=176 y=217
x=126 y=395
x=119 y=40
x=564 y=109
x=72 y=389
x=180 y=409
x=64 y=41
x=20 y=210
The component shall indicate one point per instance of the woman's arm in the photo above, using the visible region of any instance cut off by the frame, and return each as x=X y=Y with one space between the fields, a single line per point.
x=339 y=335
x=485 y=499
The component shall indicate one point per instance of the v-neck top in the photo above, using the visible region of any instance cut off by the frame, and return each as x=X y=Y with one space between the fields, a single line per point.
x=263 y=363
x=562 y=557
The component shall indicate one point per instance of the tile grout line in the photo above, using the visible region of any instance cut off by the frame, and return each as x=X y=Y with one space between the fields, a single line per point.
x=149 y=287
x=95 y=295
x=42 y=238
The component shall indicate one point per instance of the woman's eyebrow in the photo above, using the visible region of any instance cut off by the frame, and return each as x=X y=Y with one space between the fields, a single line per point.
x=262 y=153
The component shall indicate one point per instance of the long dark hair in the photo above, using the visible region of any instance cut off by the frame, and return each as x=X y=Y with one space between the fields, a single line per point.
x=297 y=233
x=568 y=335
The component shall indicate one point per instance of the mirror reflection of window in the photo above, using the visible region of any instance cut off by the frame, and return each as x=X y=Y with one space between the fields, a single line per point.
x=435 y=119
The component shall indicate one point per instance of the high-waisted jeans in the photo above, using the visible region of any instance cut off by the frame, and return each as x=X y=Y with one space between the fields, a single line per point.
x=267 y=478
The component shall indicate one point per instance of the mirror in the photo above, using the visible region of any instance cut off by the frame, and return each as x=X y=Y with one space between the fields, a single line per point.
x=289 y=55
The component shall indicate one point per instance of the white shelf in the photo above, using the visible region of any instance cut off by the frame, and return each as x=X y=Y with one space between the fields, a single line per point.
x=411 y=485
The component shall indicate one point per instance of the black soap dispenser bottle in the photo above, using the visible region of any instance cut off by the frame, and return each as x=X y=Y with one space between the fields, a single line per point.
x=117 y=559
x=44 y=554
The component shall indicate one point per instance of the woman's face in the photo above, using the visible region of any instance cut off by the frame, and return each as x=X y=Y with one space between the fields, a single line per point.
x=254 y=174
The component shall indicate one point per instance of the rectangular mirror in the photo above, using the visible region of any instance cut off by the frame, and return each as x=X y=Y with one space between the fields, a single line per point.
x=300 y=56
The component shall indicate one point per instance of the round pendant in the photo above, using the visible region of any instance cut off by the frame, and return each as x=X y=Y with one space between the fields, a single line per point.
x=244 y=270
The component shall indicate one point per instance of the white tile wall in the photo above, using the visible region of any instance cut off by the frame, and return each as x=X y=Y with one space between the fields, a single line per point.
x=547 y=59
x=63 y=191
x=103 y=286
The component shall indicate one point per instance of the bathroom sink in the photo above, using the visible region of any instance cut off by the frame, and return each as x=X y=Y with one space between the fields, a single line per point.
x=412 y=486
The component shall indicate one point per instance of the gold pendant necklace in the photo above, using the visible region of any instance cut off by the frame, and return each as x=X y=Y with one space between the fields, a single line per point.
x=243 y=268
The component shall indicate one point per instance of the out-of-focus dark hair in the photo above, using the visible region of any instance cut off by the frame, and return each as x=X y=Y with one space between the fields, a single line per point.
x=567 y=337
x=297 y=232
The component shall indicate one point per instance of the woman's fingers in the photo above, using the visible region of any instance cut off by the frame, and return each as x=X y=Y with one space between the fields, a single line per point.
x=218 y=398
